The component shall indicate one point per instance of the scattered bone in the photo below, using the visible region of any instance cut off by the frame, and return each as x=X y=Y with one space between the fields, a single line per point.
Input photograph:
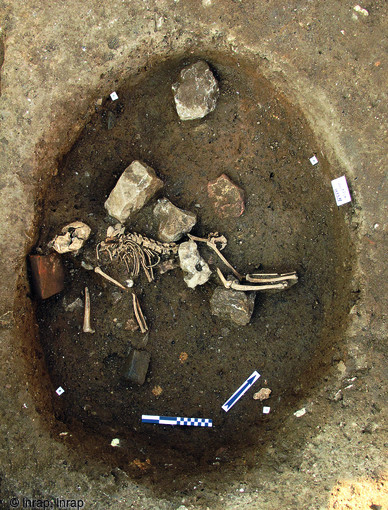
x=157 y=391
x=72 y=239
x=131 y=325
x=183 y=357
x=99 y=271
x=246 y=288
x=263 y=394
x=168 y=265
x=87 y=328
x=211 y=242
x=288 y=279
x=192 y=263
x=139 y=314
x=87 y=266
x=117 y=230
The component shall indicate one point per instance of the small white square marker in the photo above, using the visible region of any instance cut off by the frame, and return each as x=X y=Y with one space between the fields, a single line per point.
x=341 y=190
x=266 y=410
x=314 y=160
x=59 y=390
x=114 y=96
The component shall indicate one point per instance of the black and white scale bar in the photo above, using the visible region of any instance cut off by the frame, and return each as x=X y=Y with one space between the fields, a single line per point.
x=172 y=420
x=241 y=390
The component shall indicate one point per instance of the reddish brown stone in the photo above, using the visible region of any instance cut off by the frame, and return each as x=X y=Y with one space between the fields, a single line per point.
x=48 y=276
x=228 y=198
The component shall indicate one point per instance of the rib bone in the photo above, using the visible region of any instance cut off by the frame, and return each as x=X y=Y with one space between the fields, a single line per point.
x=139 y=314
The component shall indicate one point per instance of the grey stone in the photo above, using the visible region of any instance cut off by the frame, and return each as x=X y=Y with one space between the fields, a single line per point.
x=136 y=186
x=71 y=307
x=198 y=272
x=196 y=91
x=233 y=304
x=136 y=366
x=173 y=222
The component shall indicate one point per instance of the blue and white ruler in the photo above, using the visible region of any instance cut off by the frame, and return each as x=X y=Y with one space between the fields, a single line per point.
x=172 y=420
x=240 y=392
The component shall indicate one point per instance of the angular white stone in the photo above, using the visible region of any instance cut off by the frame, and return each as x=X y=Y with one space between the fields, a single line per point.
x=198 y=272
x=137 y=184
x=173 y=222
x=196 y=92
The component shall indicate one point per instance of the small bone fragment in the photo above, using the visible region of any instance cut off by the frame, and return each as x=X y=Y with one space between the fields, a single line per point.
x=211 y=242
x=139 y=314
x=246 y=288
x=99 y=271
x=131 y=325
x=263 y=394
x=87 y=328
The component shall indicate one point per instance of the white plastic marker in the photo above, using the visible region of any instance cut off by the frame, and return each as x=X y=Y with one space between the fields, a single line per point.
x=266 y=410
x=341 y=190
x=114 y=96
x=172 y=420
x=59 y=390
x=240 y=392
x=314 y=160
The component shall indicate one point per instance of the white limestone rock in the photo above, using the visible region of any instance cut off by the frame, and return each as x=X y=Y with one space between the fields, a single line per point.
x=173 y=222
x=191 y=262
x=196 y=92
x=136 y=186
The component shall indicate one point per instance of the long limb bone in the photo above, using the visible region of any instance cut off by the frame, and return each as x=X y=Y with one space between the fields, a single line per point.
x=139 y=314
x=271 y=277
x=99 y=271
x=211 y=242
x=86 y=326
x=237 y=286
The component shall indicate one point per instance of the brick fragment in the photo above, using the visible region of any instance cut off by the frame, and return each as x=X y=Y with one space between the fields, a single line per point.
x=48 y=276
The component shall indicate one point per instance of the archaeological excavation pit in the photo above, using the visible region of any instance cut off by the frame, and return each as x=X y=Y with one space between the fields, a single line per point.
x=291 y=222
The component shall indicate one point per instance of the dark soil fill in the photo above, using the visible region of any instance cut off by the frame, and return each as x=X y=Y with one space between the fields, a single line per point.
x=290 y=223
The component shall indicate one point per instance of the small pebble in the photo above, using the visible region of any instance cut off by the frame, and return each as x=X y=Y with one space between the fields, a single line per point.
x=300 y=412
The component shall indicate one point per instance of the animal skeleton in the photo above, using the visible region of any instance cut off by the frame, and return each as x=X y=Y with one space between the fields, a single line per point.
x=136 y=251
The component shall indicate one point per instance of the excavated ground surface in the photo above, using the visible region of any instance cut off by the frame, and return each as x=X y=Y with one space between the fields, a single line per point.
x=328 y=60
x=290 y=223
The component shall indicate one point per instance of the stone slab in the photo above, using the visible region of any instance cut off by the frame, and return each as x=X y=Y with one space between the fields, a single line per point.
x=136 y=186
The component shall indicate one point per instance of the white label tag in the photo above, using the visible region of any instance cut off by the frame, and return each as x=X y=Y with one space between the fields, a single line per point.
x=341 y=190
x=314 y=160
x=60 y=390
x=114 y=96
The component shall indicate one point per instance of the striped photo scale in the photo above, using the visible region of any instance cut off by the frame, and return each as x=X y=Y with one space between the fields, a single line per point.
x=172 y=420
